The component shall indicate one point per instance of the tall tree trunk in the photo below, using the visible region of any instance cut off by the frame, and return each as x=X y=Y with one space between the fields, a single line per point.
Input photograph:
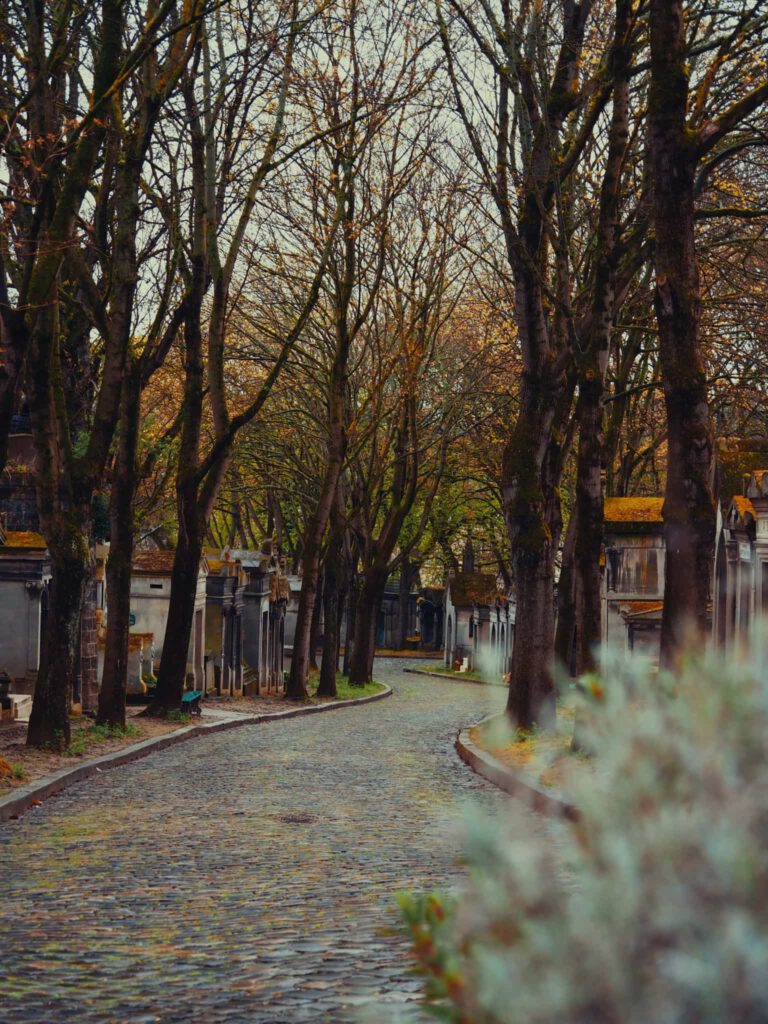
x=689 y=508
x=71 y=565
x=352 y=589
x=594 y=353
x=589 y=517
x=333 y=601
x=120 y=561
x=567 y=597
x=315 y=532
x=171 y=675
x=531 y=477
x=403 y=603
x=13 y=338
x=335 y=586
x=367 y=611
x=317 y=614
x=331 y=638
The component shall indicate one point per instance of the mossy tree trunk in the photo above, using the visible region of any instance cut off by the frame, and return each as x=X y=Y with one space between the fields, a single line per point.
x=12 y=357
x=317 y=619
x=567 y=599
x=70 y=550
x=314 y=534
x=120 y=562
x=529 y=122
x=66 y=480
x=689 y=508
x=531 y=473
x=366 y=619
x=64 y=299
x=679 y=148
x=333 y=603
x=594 y=351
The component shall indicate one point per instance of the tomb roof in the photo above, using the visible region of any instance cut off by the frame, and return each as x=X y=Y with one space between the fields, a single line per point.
x=756 y=483
x=469 y=588
x=634 y=510
x=24 y=539
x=743 y=505
x=154 y=563
x=638 y=609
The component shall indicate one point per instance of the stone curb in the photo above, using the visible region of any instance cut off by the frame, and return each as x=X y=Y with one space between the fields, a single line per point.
x=452 y=678
x=20 y=800
x=514 y=783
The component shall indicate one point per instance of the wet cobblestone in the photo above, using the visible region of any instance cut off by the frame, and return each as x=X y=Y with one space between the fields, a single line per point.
x=245 y=877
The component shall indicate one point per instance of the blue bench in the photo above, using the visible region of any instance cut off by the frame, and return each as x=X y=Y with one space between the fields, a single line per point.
x=190 y=702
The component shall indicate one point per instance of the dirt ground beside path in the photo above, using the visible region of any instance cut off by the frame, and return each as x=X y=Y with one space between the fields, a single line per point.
x=28 y=764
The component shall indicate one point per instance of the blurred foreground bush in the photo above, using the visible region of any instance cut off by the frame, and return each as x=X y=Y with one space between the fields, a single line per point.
x=653 y=908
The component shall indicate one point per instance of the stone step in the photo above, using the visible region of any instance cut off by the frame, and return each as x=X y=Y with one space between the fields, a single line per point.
x=22 y=706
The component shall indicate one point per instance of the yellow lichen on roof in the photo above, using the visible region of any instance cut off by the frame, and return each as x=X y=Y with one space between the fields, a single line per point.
x=470 y=588
x=640 y=607
x=24 y=539
x=743 y=505
x=633 y=510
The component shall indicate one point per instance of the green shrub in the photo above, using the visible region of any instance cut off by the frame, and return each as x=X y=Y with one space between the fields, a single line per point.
x=652 y=908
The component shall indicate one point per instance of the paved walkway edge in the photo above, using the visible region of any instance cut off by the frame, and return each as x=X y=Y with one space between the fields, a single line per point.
x=452 y=678
x=514 y=783
x=20 y=800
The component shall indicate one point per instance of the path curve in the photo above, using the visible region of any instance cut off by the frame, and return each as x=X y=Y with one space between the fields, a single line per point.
x=247 y=877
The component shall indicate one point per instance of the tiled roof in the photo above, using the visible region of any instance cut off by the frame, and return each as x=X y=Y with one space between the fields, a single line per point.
x=634 y=609
x=633 y=510
x=470 y=588
x=156 y=563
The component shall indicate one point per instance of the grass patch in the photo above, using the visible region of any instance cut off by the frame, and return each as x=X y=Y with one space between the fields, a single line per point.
x=346 y=692
x=93 y=735
x=182 y=717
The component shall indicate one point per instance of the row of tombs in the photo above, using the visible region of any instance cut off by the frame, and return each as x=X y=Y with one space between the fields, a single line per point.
x=480 y=618
x=237 y=641
x=245 y=606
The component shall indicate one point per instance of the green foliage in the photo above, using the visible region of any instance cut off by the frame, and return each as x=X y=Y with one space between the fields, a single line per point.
x=18 y=772
x=652 y=907
x=346 y=692
x=182 y=717
x=427 y=918
x=101 y=524
x=85 y=739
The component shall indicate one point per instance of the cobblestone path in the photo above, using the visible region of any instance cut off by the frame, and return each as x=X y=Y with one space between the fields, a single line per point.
x=247 y=876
